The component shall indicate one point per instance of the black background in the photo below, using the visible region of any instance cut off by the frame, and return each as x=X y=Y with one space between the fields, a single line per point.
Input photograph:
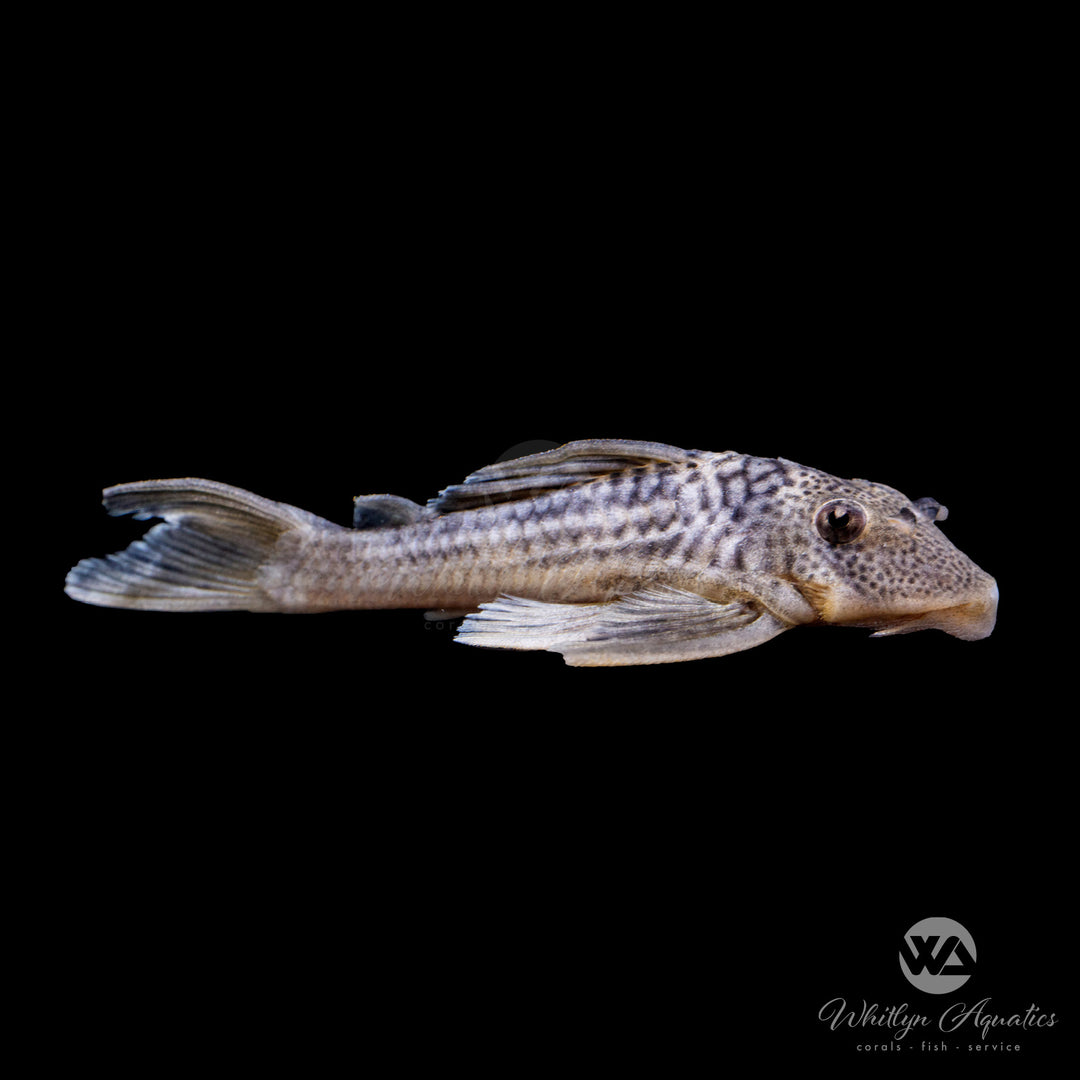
x=346 y=833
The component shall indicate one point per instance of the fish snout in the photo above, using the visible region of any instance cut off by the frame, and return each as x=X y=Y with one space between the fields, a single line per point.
x=972 y=620
x=976 y=619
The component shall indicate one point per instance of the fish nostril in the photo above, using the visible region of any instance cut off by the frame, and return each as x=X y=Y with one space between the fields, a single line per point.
x=931 y=509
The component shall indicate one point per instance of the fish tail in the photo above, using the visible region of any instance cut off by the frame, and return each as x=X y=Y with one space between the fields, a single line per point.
x=210 y=552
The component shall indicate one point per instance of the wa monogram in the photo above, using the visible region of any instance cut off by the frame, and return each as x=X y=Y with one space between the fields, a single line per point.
x=923 y=958
x=937 y=955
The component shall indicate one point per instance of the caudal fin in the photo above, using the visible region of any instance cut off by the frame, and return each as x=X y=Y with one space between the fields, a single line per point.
x=206 y=555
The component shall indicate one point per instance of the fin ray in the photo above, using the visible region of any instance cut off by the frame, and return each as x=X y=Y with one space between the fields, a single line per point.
x=573 y=463
x=205 y=555
x=654 y=626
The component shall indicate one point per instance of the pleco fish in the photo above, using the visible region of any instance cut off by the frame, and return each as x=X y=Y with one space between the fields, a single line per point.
x=609 y=552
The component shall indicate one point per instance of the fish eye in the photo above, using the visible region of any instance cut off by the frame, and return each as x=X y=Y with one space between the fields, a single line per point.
x=841 y=521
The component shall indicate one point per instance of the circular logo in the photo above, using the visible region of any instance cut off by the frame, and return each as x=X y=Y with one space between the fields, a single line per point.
x=937 y=956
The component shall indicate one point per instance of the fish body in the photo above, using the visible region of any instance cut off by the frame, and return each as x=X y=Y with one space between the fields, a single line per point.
x=609 y=552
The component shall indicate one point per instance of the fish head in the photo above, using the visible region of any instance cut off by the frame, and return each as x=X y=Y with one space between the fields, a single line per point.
x=872 y=557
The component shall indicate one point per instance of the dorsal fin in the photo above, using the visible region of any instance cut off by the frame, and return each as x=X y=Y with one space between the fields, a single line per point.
x=573 y=463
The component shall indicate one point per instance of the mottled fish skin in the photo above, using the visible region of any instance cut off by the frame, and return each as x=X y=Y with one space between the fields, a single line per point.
x=722 y=550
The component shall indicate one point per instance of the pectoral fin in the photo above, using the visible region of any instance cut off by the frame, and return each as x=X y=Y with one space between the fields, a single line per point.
x=655 y=626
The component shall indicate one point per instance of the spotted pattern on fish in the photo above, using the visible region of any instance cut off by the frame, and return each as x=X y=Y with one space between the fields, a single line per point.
x=609 y=552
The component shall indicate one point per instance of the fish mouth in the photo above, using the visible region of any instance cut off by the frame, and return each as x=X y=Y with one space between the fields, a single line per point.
x=971 y=621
